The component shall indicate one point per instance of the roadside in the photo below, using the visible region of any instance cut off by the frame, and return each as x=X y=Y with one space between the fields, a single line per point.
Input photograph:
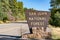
x=22 y=24
x=55 y=32
x=1 y=22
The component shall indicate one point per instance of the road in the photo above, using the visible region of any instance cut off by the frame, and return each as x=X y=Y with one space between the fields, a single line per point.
x=13 y=29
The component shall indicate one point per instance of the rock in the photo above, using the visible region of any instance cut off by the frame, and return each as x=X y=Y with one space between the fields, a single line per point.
x=38 y=33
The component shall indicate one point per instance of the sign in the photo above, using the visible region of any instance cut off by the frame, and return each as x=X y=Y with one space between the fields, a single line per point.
x=37 y=18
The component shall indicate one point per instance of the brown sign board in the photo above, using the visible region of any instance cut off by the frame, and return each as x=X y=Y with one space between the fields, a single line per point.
x=37 y=18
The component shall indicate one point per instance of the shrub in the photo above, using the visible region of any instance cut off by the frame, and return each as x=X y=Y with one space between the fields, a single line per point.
x=4 y=19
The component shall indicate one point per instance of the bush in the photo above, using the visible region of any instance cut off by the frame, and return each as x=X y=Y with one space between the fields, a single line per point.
x=56 y=21
x=4 y=19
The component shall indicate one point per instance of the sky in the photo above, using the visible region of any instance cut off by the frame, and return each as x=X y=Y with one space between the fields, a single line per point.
x=43 y=5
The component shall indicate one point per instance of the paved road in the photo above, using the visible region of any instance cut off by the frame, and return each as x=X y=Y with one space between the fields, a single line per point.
x=12 y=30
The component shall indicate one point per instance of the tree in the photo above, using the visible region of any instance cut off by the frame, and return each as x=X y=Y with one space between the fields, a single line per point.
x=4 y=7
x=25 y=9
x=11 y=9
x=55 y=7
x=21 y=11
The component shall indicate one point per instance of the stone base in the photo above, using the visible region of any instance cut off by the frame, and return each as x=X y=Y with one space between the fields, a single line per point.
x=38 y=33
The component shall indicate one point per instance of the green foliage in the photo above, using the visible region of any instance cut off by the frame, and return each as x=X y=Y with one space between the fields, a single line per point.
x=3 y=8
x=55 y=12
x=4 y=19
x=11 y=9
x=57 y=19
x=25 y=9
x=21 y=13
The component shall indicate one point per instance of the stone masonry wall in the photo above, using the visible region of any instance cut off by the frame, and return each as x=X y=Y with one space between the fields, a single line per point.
x=38 y=33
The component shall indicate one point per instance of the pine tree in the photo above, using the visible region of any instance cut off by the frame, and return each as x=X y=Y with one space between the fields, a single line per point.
x=55 y=9
x=21 y=11
x=4 y=8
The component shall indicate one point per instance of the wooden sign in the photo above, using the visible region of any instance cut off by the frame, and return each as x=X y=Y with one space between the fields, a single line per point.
x=37 y=18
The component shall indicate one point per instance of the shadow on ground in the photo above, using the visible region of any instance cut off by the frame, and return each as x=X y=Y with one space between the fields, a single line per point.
x=9 y=37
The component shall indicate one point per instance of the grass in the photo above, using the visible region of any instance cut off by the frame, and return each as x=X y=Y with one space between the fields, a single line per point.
x=1 y=22
x=55 y=32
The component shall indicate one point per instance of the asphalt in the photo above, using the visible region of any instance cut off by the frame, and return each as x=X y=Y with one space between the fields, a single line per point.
x=13 y=30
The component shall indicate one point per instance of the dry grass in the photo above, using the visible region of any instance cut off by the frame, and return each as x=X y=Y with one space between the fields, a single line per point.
x=1 y=22
x=55 y=32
